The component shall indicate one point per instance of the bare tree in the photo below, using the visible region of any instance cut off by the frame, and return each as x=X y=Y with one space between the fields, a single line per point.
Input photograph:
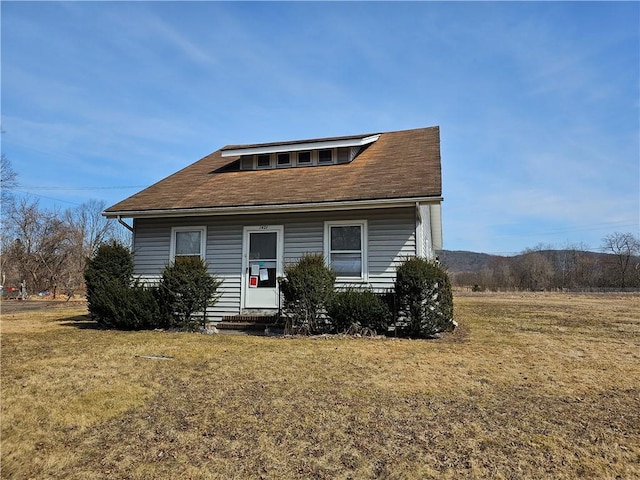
x=92 y=227
x=49 y=249
x=503 y=276
x=625 y=247
x=583 y=268
x=533 y=271
x=89 y=229
x=8 y=183
x=8 y=179
x=41 y=245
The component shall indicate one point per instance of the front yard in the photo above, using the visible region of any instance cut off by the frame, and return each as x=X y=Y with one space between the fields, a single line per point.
x=529 y=386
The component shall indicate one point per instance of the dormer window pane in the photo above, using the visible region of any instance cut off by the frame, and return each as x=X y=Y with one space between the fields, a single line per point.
x=264 y=161
x=284 y=159
x=304 y=158
x=325 y=156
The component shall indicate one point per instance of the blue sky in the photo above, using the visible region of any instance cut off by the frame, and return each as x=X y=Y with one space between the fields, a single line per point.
x=538 y=103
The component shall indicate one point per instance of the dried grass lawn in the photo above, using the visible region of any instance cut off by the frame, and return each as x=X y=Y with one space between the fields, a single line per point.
x=529 y=386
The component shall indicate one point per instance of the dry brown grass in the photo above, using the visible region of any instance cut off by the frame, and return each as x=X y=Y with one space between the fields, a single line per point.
x=529 y=386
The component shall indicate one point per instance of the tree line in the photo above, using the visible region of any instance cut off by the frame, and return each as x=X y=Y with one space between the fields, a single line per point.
x=572 y=268
x=46 y=249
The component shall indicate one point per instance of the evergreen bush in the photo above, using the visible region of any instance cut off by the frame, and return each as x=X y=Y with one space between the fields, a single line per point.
x=185 y=292
x=423 y=298
x=306 y=288
x=356 y=309
x=113 y=299
x=132 y=307
x=106 y=274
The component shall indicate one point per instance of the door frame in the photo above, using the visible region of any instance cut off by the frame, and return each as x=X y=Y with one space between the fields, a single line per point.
x=246 y=232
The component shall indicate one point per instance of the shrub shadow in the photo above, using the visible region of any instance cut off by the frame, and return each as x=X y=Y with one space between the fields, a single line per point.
x=81 y=322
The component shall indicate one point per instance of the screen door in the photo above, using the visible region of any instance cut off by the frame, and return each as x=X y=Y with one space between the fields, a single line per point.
x=262 y=267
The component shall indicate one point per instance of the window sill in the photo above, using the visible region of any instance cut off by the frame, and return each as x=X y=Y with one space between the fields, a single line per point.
x=353 y=279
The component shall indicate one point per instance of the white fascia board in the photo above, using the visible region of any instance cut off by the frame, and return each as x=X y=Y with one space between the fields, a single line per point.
x=298 y=147
x=284 y=208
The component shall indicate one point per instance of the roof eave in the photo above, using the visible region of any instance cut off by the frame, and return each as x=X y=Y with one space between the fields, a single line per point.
x=274 y=208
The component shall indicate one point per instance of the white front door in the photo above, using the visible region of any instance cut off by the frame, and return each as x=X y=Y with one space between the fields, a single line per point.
x=262 y=265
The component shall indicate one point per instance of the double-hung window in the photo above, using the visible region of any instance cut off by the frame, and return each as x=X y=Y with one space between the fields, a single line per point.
x=188 y=242
x=346 y=248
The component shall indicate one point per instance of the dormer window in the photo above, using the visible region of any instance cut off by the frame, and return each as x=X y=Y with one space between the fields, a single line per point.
x=264 y=161
x=304 y=158
x=318 y=152
x=325 y=156
x=284 y=159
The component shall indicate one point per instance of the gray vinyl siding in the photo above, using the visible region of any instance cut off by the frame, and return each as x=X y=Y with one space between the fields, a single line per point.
x=224 y=254
x=302 y=236
x=390 y=236
x=150 y=247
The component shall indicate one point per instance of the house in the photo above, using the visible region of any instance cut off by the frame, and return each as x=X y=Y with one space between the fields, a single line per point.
x=365 y=202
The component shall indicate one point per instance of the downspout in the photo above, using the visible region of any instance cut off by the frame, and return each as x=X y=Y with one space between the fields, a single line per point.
x=124 y=224
x=419 y=232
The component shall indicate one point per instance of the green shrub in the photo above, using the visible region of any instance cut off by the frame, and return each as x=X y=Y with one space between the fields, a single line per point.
x=358 y=308
x=424 y=299
x=106 y=275
x=306 y=289
x=113 y=299
x=131 y=307
x=187 y=289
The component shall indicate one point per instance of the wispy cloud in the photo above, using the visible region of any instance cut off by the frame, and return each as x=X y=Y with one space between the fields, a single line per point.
x=537 y=102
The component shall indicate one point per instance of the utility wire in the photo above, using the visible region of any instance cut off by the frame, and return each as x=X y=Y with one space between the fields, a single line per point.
x=48 y=198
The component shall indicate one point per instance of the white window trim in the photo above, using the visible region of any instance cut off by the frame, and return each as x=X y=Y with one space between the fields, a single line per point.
x=284 y=165
x=304 y=164
x=363 y=246
x=203 y=240
x=264 y=167
x=333 y=156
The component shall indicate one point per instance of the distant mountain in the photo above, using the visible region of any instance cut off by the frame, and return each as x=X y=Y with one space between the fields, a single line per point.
x=456 y=261
x=540 y=269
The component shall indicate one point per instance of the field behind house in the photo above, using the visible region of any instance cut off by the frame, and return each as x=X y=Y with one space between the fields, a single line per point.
x=529 y=386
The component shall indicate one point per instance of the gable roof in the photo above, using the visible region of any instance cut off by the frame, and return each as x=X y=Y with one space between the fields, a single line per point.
x=398 y=166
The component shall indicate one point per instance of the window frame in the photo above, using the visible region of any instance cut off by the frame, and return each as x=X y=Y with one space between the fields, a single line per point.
x=331 y=156
x=287 y=163
x=261 y=167
x=364 y=259
x=203 y=241
x=304 y=164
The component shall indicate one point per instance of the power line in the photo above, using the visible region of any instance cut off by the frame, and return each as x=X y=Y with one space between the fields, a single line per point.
x=48 y=198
